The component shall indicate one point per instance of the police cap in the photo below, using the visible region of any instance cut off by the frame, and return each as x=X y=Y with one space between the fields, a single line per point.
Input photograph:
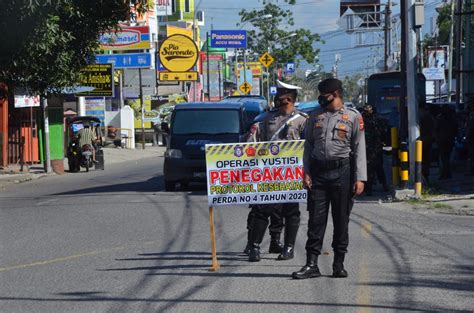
x=283 y=88
x=329 y=85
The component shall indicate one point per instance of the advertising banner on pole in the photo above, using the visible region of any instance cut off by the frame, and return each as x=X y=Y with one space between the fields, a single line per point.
x=96 y=107
x=215 y=72
x=255 y=173
x=163 y=7
x=229 y=39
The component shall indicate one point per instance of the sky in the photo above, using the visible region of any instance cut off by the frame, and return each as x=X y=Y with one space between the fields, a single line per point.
x=320 y=16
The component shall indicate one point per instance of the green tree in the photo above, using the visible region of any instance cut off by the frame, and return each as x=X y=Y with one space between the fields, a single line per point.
x=268 y=34
x=352 y=90
x=46 y=43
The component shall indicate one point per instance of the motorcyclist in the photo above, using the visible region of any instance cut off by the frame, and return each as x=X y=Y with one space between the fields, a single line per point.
x=87 y=136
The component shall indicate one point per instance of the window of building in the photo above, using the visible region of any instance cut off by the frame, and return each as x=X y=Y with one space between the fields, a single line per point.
x=173 y=6
x=187 y=6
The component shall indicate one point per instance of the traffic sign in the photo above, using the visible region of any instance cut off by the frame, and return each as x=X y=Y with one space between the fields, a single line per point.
x=245 y=88
x=273 y=90
x=266 y=59
x=125 y=60
x=290 y=67
x=178 y=76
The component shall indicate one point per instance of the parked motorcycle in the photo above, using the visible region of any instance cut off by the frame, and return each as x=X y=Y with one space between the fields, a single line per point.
x=74 y=156
x=86 y=160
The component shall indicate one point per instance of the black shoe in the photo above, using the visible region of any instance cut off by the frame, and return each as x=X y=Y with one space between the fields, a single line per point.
x=254 y=254
x=247 y=248
x=310 y=270
x=275 y=247
x=307 y=272
x=338 y=270
x=288 y=253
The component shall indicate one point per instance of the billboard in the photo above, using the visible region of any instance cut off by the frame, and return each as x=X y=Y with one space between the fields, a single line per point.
x=255 y=173
x=216 y=76
x=96 y=107
x=126 y=38
x=99 y=76
x=229 y=39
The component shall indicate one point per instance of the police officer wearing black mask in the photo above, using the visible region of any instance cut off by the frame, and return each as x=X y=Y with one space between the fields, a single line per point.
x=335 y=169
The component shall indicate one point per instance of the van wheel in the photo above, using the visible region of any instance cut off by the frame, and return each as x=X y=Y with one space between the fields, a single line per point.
x=169 y=185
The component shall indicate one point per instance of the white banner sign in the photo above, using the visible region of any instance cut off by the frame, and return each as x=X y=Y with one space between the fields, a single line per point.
x=255 y=173
x=163 y=7
x=24 y=101
x=434 y=73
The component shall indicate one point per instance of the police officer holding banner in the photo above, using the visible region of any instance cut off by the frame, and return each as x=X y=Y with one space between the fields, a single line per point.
x=335 y=171
x=282 y=123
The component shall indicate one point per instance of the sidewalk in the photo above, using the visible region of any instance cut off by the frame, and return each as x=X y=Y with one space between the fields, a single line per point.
x=13 y=175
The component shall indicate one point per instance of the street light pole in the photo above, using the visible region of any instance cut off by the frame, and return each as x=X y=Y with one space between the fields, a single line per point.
x=387 y=32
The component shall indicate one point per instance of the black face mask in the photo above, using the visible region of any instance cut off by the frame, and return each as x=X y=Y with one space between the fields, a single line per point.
x=324 y=101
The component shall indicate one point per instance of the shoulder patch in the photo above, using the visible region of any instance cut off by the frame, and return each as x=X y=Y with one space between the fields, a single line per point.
x=361 y=123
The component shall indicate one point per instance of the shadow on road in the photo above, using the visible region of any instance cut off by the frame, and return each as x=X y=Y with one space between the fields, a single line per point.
x=153 y=184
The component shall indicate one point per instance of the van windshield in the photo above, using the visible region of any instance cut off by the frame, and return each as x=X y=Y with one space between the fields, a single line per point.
x=187 y=122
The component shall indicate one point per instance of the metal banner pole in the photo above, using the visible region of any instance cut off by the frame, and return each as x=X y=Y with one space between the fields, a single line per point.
x=215 y=263
x=142 y=106
x=208 y=69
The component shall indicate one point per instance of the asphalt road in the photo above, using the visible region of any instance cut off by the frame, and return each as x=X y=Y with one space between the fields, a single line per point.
x=114 y=241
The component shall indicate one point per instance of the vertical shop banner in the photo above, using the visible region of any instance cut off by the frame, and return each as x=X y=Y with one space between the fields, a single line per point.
x=163 y=7
x=215 y=71
x=96 y=107
x=255 y=173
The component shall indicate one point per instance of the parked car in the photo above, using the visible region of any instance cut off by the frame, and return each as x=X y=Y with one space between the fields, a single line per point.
x=254 y=105
x=193 y=125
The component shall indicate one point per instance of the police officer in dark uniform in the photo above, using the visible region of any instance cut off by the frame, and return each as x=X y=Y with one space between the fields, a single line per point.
x=375 y=130
x=335 y=171
x=275 y=228
x=282 y=123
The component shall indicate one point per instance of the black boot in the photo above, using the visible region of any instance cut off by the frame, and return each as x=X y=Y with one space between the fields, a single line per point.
x=338 y=270
x=287 y=254
x=275 y=244
x=310 y=270
x=254 y=254
x=247 y=248
x=291 y=230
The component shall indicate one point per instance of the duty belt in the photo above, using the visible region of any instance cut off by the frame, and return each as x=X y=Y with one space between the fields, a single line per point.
x=329 y=165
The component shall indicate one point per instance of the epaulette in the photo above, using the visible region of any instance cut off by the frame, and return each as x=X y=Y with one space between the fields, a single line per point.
x=305 y=115
x=353 y=110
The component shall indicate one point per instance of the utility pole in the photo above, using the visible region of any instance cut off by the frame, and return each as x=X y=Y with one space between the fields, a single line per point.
x=450 y=57
x=387 y=33
x=47 y=150
x=409 y=131
x=459 y=67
